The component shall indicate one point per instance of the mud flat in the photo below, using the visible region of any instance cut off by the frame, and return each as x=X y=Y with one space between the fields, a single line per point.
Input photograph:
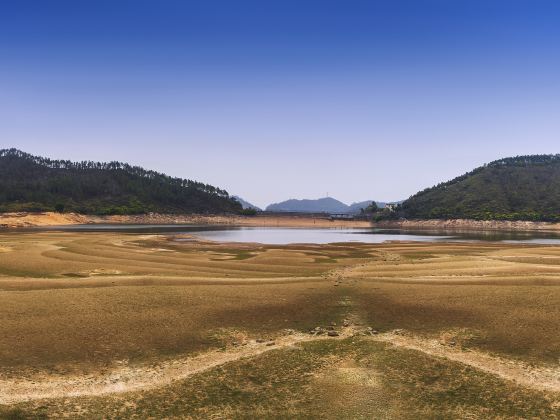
x=114 y=325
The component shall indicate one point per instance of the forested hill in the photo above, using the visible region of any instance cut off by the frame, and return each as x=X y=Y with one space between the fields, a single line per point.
x=321 y=205
x=32 y=183
x=326 y=204
x=518 y=188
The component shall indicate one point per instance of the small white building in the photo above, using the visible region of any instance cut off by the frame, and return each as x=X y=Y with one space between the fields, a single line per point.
x=391 y=206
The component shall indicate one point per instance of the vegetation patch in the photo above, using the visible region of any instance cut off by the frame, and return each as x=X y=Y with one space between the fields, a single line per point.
x=34 y=184
x=518 y=188
x=352 y=378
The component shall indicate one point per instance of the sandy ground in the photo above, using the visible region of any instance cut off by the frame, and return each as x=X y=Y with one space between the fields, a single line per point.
x=16 y=220
x=92 y=319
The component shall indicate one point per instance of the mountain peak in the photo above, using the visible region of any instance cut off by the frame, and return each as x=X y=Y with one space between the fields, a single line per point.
x=319 y=205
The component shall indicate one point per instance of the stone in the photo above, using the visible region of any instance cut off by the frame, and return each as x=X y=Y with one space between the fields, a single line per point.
x=333 y=334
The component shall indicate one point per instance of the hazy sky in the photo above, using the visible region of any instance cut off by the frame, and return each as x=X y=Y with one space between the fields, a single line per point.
x=284 y=99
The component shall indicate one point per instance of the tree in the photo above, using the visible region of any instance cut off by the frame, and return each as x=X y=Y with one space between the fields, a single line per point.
x=34 y=183
x=372 y=208
x=248 y=212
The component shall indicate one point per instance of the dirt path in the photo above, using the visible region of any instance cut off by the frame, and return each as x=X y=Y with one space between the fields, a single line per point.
x=540 y=378
x=134 y=378
x=544 y=379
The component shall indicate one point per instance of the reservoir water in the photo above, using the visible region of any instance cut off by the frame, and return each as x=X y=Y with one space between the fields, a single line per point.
x=281 y=236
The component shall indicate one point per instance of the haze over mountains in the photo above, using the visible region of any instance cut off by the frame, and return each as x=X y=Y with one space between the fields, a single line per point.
x=34 y=183
x=245 y=204
x=517 y=188
x=320 y=205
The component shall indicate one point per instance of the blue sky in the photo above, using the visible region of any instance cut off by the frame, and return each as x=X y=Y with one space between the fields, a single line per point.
x=284 y=99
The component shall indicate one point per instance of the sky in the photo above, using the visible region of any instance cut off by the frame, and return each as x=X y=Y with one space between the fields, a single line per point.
x=283 y=99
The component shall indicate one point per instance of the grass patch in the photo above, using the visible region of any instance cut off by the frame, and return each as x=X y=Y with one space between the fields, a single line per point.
x=233 y=255
x=353 y=378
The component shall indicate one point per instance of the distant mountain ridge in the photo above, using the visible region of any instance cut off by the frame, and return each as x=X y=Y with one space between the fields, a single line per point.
x=326 y=204
x=245 y=204
x=355 y=208
x=34 y=183
x=320 y=205
x=516 y=188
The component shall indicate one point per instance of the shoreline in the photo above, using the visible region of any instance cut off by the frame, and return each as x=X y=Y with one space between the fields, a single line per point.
x=20 y=220
x=468 y=224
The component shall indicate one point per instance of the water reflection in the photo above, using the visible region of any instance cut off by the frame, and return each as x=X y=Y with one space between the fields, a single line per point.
x=280 y=236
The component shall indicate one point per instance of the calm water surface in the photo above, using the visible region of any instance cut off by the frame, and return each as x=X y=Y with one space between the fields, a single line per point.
x=316 y=236
x=281 y=236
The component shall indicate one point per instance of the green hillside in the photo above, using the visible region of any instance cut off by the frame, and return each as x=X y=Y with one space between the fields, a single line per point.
x=32 y=183
x=518 y=188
